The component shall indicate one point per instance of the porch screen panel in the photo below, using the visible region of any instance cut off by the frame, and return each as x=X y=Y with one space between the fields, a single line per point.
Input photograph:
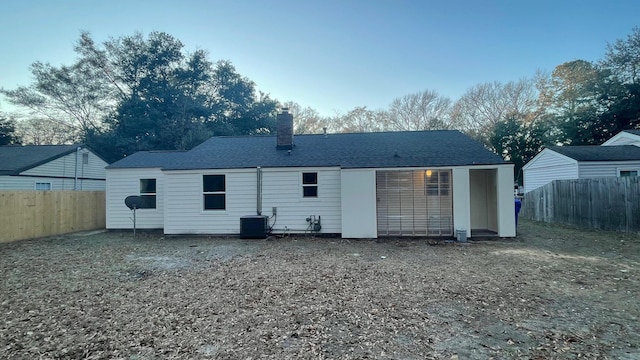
x=414 y=203
x=420 y=213
x=382 y=206
x=440 y=205
x=406 y=203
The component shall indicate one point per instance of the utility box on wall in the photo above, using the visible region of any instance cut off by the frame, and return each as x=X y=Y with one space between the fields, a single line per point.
x=253 y=227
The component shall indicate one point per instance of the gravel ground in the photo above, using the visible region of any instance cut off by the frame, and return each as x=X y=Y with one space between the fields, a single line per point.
x=552 y=293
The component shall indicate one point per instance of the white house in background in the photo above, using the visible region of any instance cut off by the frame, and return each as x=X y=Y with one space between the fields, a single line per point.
x=618 y=156
x=364 y=185
x=51 y=167
x=626 y=137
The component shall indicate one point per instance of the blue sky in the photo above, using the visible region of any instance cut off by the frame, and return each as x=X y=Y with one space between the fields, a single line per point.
x=333 y=55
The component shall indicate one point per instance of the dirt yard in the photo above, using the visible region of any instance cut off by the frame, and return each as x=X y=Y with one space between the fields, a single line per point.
x=552 y=293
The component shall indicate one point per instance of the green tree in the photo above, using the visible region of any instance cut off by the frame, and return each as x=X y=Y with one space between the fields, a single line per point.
x=622 y=95
x=170 y=100
x=518 y=141
x=143 y=93
x=161 y=91
x=623 y=58
x=572 y=97
x=622 y=111
x=8 y=134
x=237 y=108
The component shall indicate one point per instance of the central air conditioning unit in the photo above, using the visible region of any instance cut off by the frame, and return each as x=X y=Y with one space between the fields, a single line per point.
x=254 y=227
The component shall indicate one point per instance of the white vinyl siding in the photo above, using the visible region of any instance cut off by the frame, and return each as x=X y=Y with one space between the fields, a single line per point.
x=623 y=138
x=61 y=173
x=546 y=167
x=65 y=166
x=125 y=182
x=605 y=168
x=623 y=141
x=281 y=188
x=29 y=183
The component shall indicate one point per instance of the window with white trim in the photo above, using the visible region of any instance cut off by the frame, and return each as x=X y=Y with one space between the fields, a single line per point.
x=43 y=186
x=148 y=193
x=310 y=184
x=214 y=192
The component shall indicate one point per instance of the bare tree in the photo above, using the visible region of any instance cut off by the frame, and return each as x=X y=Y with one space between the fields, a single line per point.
x=426 y=110
x=361 y=119
x=306 y=120
x=44 y=131
x=73 y=95
x=479 y=110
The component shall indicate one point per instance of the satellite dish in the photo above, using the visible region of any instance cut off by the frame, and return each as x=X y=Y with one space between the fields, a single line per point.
x=133 y=202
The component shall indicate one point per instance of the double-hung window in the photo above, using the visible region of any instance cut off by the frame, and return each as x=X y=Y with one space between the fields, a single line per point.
x=214 y=192
x=310 y=184
x=148 y=193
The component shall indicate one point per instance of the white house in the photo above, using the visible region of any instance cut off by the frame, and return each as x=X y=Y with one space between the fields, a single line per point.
x=618 y=156
x=626 y=137
x=359 y=185
x=51 y=167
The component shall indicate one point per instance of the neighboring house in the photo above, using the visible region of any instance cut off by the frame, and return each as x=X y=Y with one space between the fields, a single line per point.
x=619 y=156
x=51 y=167
x=359 y=185
x=626 y=137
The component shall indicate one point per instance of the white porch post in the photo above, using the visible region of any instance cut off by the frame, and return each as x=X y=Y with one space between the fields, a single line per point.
x=461 y=200
x=506 y=206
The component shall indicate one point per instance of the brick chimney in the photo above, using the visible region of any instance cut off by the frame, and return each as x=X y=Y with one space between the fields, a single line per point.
x=284 y=130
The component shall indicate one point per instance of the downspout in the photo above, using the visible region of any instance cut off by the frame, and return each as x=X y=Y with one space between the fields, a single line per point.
x=259 y=190
x=75 y=178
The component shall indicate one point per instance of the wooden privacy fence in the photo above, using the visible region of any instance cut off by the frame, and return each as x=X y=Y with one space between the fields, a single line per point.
x=599 y=203
x=32 y=214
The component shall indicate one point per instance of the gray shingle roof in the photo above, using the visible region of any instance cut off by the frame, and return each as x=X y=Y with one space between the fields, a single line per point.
x=148 y=159
x=15 y=159
x=353 y=150
x=599 y=153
